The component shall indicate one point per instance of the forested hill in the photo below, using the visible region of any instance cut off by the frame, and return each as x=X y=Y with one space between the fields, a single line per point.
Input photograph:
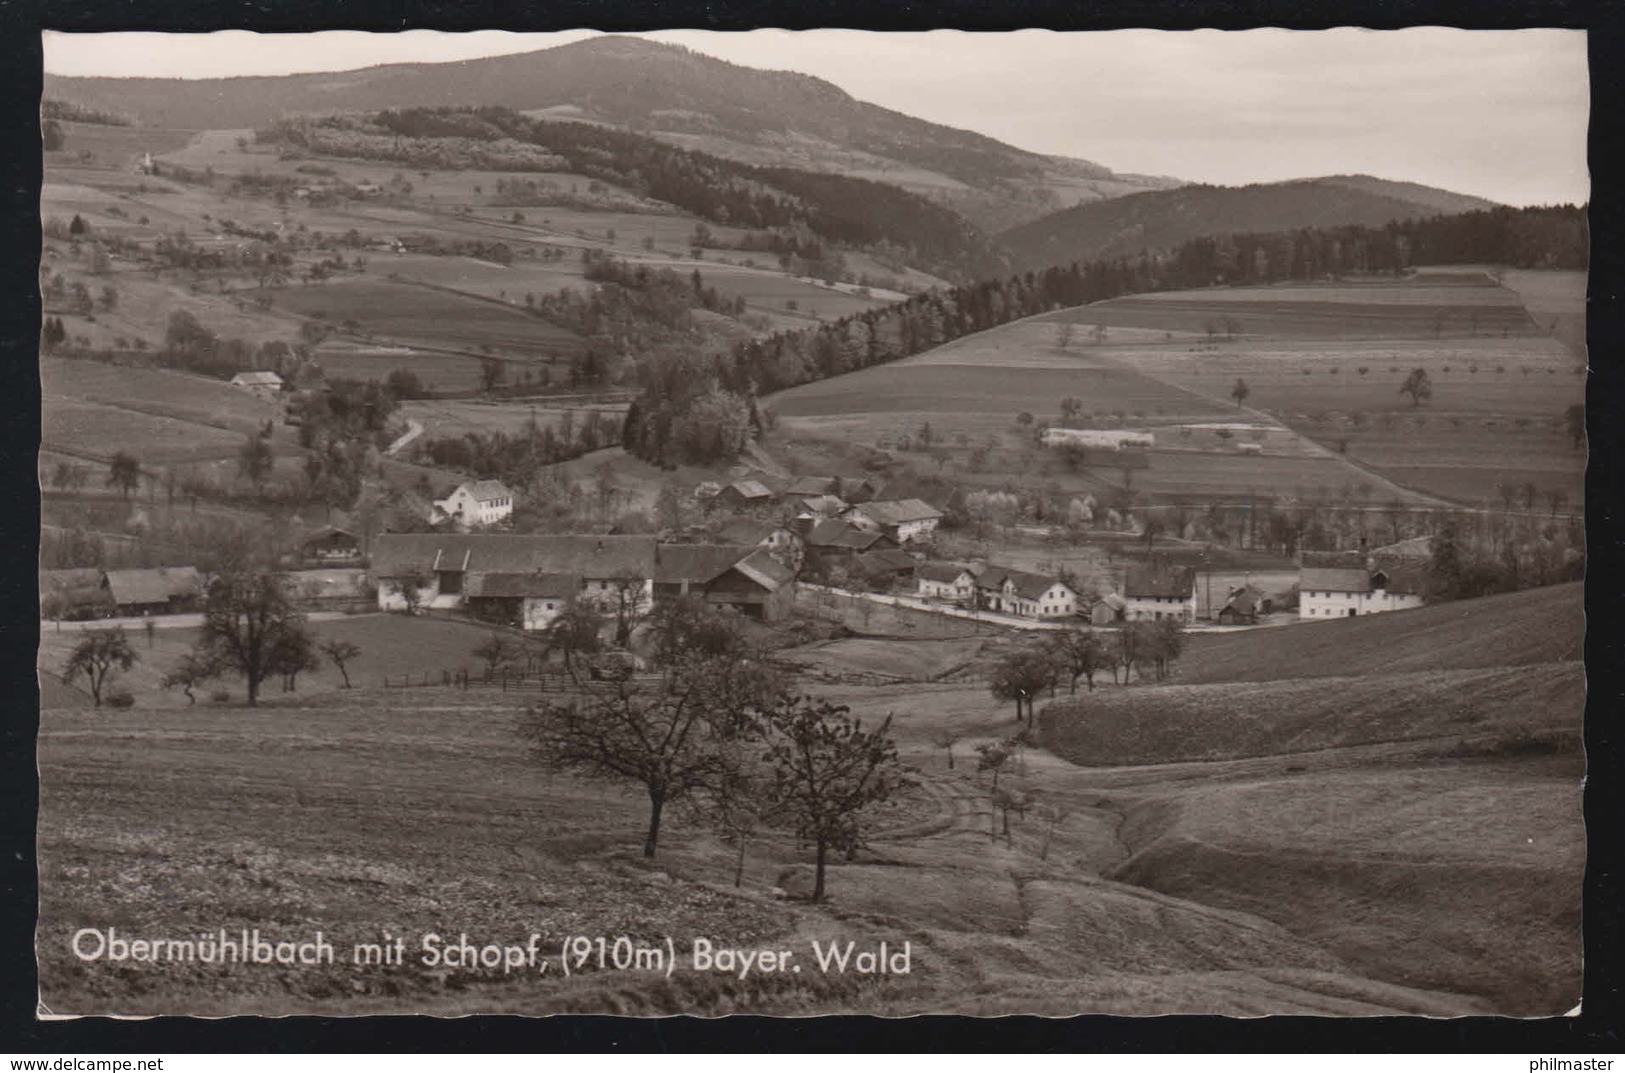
x=795 y=212
x=1162 y=219
x=774 y=118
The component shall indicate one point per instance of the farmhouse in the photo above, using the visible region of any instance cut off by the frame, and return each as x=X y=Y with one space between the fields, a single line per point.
x=887 y=567
x=1109 y=610
x=266 y=385
x=946 y=581
x=784 y=543
x=747 y=579
x=742 y=494
x=161 y=590
x=1343 y=586
x=529 y=601
x=903 y=520
x=1154 y=593
x=73 y=594
x=825 y=506
x=1020 y=592
x=1243 y=606
x=331 y=545
x=448 y=569
x=475 y=503
x=835 y=542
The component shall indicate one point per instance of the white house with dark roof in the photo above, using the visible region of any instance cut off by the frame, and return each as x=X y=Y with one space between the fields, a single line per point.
x=1021 y=592
x=265 y=384
x=906 y=521
x=450 y=569
x=946 y=581
x=475 y=503
x=1155 y=593
x=1346 y=586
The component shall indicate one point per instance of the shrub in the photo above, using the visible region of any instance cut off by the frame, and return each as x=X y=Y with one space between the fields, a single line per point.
x=121 y=699
x=220 y=696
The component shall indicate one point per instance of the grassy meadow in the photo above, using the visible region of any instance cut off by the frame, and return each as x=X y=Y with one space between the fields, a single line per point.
x=1317 y=845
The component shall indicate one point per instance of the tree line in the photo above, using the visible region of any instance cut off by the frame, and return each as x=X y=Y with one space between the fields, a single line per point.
x=1553 y=237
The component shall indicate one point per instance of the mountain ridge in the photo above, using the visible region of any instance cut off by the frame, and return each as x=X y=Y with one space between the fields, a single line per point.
x=1162 y=219
x=784 y=118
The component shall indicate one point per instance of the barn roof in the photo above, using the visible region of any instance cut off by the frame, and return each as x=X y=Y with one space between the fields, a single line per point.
x=899 y=511
x=1334 y=579
x=514 y=553
x=746 y=531
x=943 y=572
x=765 y=570
x=257 y=379
x=825 y=504
x=328 y=532
x=750 y=489
x=1405 y=580
x=1153 y=582
x=696 y=563
x=486 y=491
x=157 y=585
x=892 y=559
x=839 y=533
x=489 y=585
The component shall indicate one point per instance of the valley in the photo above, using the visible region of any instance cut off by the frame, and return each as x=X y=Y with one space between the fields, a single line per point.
x=1198 y=568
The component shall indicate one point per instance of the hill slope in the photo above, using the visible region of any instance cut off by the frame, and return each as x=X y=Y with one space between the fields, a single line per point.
x=1164 y=218
x=1545 y=625
x=761 y=117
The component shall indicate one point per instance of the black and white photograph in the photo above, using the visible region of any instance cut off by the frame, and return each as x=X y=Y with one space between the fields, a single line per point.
x=813 y=522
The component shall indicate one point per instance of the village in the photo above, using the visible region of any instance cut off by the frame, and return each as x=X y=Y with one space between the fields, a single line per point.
x=763 y=537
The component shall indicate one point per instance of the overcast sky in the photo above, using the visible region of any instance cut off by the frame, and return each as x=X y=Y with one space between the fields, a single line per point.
x=1501 y=114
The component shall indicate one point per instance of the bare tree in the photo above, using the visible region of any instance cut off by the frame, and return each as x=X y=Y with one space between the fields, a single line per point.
x=340 y=652
x=664 y=735
x=192 y=670
x=828 y=772
x=98 y=656
x=1080 y=650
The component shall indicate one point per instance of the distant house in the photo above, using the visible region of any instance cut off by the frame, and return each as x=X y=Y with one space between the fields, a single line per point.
x=835 y=542
x=1021 y=592
x=73 y=594
x=530 y=601
x=475 y=503
x=1153 y=593
x=1109 y=610
x=821 y=506
x=888 y=567
x=265 y=384
x=447 y=568
x=946 y=581
x=1346 y=585
x=161 y=590
x=744 y=494
x=784 y=543
x=1243 y=606
x=331 y=545
x=905 y=521
x=856 y=489
x=1110 y=439
x=747 y=579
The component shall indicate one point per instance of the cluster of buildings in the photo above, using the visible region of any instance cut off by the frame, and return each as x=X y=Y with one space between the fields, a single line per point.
x=527 y=579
